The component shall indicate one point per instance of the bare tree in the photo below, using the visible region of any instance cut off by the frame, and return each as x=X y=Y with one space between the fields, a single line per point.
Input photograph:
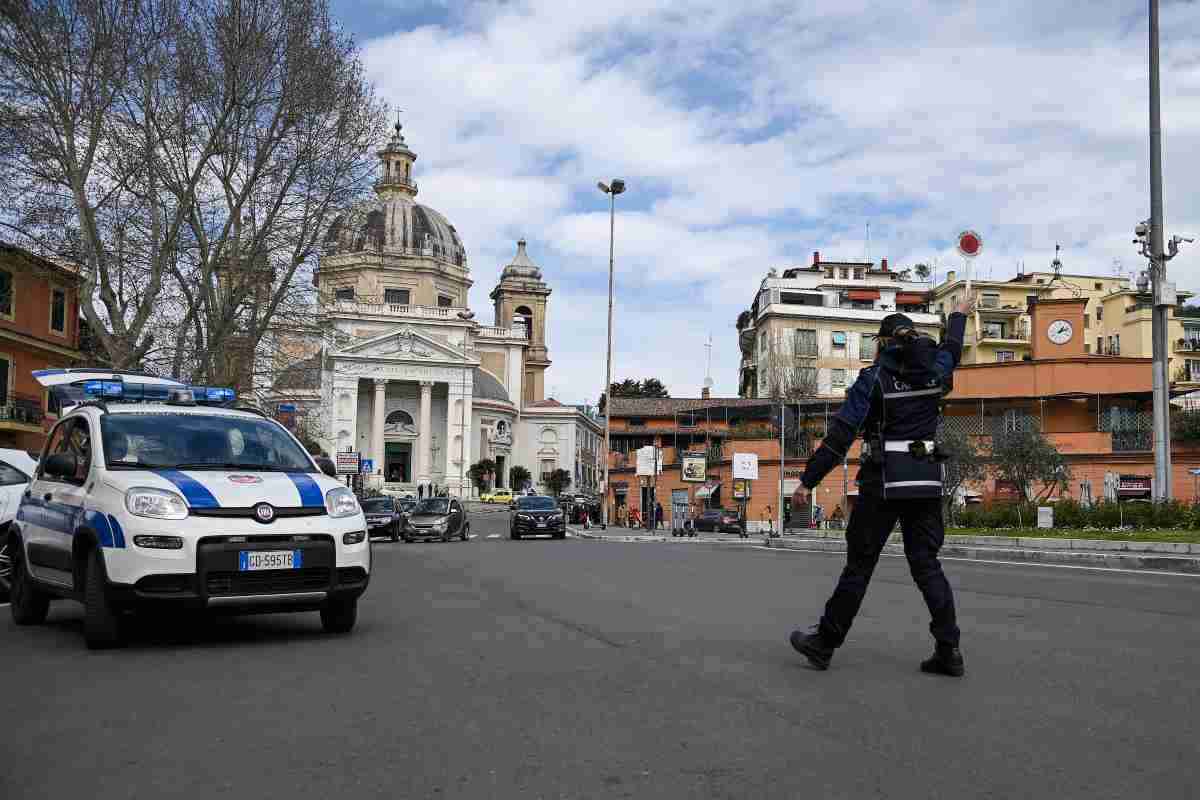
x=189 y=154
x=788 y=375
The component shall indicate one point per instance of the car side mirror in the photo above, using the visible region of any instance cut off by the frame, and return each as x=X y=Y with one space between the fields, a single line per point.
x=61 y=465
x=327 y=466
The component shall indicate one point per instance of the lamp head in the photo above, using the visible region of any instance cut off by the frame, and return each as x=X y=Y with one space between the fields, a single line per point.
x=618 y=186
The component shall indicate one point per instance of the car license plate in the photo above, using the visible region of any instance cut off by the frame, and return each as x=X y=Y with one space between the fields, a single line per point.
x=251 y=560
x=541 y=524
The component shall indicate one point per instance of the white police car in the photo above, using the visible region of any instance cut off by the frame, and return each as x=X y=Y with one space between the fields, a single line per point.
x=152 y=492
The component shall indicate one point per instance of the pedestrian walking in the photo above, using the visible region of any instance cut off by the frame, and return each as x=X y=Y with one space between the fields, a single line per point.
x=895 y=403
x=420 y=491
x=658 y=515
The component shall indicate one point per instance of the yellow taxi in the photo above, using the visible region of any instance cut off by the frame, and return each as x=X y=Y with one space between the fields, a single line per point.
x=498 y=496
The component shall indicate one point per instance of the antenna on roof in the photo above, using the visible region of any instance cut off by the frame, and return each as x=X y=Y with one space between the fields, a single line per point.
x=708 y=381
x=868 y=243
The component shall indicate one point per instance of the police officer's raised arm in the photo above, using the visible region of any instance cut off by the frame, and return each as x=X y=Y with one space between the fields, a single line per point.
x=843 y=429
x=950 y=350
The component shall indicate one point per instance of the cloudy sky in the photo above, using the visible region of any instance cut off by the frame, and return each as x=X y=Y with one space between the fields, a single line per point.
x=752 y=133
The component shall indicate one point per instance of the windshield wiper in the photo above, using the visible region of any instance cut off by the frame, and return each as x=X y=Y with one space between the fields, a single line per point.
x=228 y=465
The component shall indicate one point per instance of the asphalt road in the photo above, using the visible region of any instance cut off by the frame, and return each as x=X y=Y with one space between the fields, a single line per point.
x=573 y=669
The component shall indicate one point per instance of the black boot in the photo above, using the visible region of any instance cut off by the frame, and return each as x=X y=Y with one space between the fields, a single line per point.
x=946 y=660
x=813 y=647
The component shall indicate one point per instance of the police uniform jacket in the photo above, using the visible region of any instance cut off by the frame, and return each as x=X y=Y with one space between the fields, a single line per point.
x=894 y=403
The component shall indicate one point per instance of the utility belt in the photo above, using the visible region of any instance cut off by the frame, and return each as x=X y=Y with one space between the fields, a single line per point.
x=911 y=468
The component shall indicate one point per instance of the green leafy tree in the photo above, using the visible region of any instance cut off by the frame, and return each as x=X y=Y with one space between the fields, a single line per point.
x=650 y=387
x=1185 y=426
x=558 y=481
x=481 y=472
x=518 y=476
x=965 y=463
x=1026 y=459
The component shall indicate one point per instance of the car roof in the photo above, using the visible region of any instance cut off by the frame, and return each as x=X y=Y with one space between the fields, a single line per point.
x=165 y=410
x=19 y=459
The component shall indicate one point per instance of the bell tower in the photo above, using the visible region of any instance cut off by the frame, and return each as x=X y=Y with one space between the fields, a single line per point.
x=520 y=299
x=1057 y=328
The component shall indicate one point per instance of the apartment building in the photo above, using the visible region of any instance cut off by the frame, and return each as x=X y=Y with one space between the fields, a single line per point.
x=39 y=329
x=807 y=331
x=1116 y=318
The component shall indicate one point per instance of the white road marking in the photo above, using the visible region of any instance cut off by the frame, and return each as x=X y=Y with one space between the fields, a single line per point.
x=493 y=536
x=995 y=561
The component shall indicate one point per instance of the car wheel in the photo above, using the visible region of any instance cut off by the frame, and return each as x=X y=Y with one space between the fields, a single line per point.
x=339 y=616
x=446 y=535
x=395 y=532
x=466 y=532
x=29 y=604
x=101 y=622
x=515 y=536
x=560 y=535
x=5 y=568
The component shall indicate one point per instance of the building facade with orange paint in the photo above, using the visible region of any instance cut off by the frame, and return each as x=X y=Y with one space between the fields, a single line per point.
x=39 y=329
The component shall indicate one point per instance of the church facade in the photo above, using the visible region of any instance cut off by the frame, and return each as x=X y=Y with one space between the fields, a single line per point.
x=408 y=377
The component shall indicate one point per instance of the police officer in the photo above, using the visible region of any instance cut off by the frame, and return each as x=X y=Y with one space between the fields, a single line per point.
x=895 y=405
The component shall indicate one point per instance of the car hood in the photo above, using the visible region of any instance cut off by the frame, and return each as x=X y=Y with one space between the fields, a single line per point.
x=230 y=488
x=427 y=519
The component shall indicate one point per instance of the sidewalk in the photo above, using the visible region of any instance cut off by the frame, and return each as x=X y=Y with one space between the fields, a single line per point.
x=1180 y=557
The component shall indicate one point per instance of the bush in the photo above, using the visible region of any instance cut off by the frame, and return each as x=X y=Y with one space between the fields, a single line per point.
x=1069 y=514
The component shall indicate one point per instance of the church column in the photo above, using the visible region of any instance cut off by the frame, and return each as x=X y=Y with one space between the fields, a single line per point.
x=378 y=421
x=458 y=423
x=425 y=434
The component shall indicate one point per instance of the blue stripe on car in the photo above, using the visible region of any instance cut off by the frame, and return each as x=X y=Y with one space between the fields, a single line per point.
x=310 y=493
x=99 y=523
x=118 y=534
x=194 y=492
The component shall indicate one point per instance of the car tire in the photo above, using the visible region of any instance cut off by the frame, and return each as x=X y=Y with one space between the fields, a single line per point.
x=516 y=537
x=395 y=532
x=339 y=616
x=29 y=604
x=101 y=622
x=5 y=567
x=446 y=536
x=466 y=532
x=560 y=535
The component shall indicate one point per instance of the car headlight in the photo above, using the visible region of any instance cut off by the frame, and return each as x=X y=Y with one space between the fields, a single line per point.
x=340 y=502
x=144 y=501
x=440 y=525
x=354 y=537
x=525 y=517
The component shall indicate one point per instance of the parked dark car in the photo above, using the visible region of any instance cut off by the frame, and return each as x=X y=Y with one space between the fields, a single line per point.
x=719 y=520
x=537 y=515
x=385 y=516
x=437 y=518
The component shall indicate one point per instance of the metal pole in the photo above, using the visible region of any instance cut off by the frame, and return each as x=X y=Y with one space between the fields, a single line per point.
x=1162 y=419
x=462 y=442
x=782 y=453
x=612 y=216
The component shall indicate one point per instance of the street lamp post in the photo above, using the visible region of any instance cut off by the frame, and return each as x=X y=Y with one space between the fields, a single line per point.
x=616 y=187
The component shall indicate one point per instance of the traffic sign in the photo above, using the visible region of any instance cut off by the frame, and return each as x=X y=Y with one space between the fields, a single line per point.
x=348 y=463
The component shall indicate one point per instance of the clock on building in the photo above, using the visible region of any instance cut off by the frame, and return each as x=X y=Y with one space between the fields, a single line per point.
x=1060 y=331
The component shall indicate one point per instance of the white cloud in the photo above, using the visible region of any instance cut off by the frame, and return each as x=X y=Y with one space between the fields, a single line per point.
x=751 y=134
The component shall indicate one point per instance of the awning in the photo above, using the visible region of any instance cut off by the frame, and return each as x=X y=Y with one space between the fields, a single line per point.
x=864 y=294
x=909 y=299
x=708 y=490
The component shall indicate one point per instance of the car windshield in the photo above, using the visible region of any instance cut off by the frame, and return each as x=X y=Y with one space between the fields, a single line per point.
x=199 y=441
x=377 y=505
x=434 y=505
x=536 y=504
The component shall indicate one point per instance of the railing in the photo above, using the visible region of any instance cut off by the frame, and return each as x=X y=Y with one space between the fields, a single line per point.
x=1020 y=334
x=1187 y=345
x=397 y=182
x=26 y=409
x=391 y=309
x=989 y=302
x=492 y=332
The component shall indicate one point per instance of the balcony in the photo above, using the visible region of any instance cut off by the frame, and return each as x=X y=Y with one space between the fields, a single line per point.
x=399 y=183
x=1007 y=336
x=368 y=307
x=1186 y=346
x=492 y=332
x=21 y=413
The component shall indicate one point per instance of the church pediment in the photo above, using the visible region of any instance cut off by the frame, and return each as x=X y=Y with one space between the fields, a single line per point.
x=406 y=344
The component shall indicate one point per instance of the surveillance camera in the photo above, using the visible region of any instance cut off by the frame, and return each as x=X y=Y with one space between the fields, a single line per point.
x=1141 y=229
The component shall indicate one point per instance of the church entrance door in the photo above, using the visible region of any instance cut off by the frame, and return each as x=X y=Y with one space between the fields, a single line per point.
x=397 y=462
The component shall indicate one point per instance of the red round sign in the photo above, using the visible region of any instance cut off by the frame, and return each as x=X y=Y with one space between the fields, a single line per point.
x=970 y=243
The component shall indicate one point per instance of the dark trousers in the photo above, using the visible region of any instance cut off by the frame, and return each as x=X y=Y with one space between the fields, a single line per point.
x=871 y=523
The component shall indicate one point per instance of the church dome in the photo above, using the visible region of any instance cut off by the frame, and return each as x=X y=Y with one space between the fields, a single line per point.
x=394 y=222
x=395 y=225
x=486 y=387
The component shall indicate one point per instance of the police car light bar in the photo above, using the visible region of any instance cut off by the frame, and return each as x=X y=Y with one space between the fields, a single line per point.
x=74 y=386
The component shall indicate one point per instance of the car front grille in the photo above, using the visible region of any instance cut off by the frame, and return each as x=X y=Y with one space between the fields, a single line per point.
x=267 y=581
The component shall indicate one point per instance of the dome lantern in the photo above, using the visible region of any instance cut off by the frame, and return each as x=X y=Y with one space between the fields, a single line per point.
x=396 y=161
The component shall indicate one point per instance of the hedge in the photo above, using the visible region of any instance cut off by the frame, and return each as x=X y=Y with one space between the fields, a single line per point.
x=1070 y=514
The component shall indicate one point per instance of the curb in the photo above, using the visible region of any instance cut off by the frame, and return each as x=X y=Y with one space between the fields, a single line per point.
x=1109 y=559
